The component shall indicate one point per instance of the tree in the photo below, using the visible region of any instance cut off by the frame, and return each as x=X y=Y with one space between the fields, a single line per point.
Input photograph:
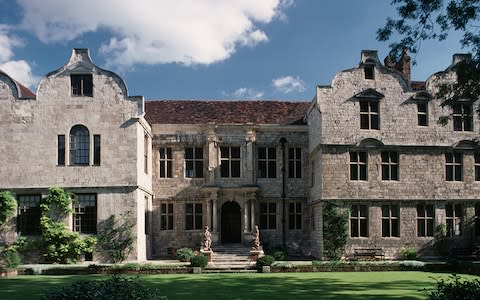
x=433 y=20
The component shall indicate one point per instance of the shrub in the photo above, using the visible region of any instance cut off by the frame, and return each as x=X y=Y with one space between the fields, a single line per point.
x=116 y=239
x=184 y=254
x=456 y=288
x=266 y=260
x=9 y=258
x=119 y=288
x=335 y=230
x=279 y=253
x=409 y=252
x=199 y=261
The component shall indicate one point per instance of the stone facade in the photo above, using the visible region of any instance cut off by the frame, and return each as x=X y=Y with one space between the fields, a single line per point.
x=370 y=141
x=399 y=134
x=32 y=127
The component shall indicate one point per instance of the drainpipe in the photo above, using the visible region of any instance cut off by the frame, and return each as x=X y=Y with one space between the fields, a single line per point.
x=282 y=144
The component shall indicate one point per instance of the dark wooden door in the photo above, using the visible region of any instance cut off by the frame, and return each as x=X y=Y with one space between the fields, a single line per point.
x=231 y=223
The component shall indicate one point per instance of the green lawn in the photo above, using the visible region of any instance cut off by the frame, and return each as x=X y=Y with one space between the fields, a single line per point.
x=292 y=286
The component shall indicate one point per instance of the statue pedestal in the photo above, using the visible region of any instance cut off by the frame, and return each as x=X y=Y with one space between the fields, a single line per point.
x=256 y=254
x=207 y=253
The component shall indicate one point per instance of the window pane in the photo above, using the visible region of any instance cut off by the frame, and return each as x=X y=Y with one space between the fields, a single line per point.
x=235 y=152
x=363 y=172
x=262 y=153
x=363 y=211
x=375 y=122
x=169 y=169
x=449 y=210
x=363 y=228
x=188 y=153
x=61 y=150
x=385 y=228
x=235 y=168
x=96 y=150
x=199 y=153
x=363 y=106
x=420 y=227
x=364 y=122
x=189 y=168
x=225 y=169
x=199 y=169
x=272 y=169
x=272 y=153
x=395 y=228
x=354 y=228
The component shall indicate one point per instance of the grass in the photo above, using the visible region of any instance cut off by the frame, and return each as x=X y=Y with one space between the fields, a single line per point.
x=320 y=285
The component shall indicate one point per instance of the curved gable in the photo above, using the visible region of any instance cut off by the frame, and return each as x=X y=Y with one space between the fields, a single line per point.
x=19 y=91
x=80 y=62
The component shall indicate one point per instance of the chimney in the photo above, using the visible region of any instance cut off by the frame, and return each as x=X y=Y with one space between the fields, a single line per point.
x=402 y=65
x=458 y=57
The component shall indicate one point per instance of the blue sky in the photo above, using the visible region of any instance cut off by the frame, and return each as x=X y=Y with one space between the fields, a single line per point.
x=205 y=49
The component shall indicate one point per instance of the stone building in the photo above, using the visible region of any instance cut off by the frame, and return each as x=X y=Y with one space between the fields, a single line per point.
x=83 y=132
x=377 y=148
x=369 y=142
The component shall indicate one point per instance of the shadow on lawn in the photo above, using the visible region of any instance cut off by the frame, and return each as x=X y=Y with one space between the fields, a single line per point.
x=353 y=286
x=286 y=287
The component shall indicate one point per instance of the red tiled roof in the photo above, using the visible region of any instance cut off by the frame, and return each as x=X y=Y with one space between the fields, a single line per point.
x=224 y=112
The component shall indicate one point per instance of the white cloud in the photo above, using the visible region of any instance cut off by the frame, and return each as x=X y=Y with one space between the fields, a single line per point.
x=156 y=31
x=288 y=84
x=246 y=93
x=19 y=70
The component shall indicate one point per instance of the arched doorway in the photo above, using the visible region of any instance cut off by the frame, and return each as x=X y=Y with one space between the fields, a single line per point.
x=231 y=223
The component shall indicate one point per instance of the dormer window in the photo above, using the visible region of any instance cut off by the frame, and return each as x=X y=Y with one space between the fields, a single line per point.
x=369 y=70
x=82 y=85
x=462 y=116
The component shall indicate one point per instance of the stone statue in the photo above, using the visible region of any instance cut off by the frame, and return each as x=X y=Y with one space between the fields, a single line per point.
x=256 y=239
x=207 y=240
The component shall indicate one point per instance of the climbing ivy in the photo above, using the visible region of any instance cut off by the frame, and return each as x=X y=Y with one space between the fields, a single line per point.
x=60 y=245
x=8 y=207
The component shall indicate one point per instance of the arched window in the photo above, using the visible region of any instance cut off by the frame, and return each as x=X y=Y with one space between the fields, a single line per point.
x=79 y=145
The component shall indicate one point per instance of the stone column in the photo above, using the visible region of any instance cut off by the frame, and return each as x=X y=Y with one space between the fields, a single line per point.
x=250 y=138
x=215 y=213
x=252 y=213
x=245 y=214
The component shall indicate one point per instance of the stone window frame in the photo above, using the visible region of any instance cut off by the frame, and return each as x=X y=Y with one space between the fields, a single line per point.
x=422 y=113
x=476 y=157
x=193 y=216
x=462 y=116
x=194 y=162
x=266 y=162
x=425 y=220
x=295 y=158
x=28 y=214
x=369 y=114
x=369 y=71
x=165 y=162
x=230 y=163
x=81 y=85
x=390 y=220
x=166 y=216
x=79 y=146
x=84 y=216
x=268 y=215
x=454 y=166
x=359 y=219
x=390 y=161
x=295 y=215
x=358 y=165
x=453 y=217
